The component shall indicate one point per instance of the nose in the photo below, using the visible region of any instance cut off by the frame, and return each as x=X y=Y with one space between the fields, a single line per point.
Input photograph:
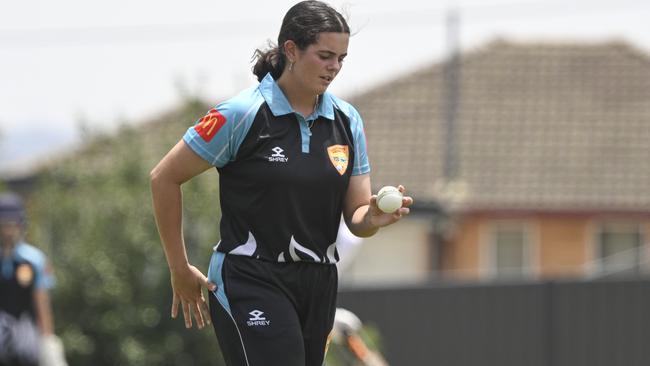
x=335 y=65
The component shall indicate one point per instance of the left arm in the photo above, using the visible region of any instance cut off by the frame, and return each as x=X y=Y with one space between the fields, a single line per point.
x=51 y=348
x=360 y=210
x=43 y=311
x=51 y=352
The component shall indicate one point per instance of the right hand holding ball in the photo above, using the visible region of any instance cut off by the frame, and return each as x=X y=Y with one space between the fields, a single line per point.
x=389 y=199
x=388 y=206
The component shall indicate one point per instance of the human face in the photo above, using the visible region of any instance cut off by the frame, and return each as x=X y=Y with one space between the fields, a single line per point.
x=317 y=65
x=10 y=231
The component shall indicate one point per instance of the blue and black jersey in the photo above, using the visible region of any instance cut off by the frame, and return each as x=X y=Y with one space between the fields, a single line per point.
x=283 y=177
x=21 y=273
x=24 y=271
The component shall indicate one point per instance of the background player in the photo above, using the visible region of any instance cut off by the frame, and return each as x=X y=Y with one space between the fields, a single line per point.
x=26 y=327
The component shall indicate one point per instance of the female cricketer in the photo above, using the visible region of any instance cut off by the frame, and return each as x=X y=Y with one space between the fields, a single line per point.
x=291 y=159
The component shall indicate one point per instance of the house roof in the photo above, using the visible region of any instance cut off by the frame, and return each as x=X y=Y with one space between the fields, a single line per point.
x=539 y=126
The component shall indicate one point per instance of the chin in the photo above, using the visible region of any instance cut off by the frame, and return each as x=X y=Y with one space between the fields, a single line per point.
x=322 y=86
x=321 y=89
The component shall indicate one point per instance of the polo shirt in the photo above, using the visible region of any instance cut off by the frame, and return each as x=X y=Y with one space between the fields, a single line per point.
x=22 y=272
x=282 y=176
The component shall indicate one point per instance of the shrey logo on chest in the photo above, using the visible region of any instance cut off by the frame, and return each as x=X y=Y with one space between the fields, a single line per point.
x=278 y=156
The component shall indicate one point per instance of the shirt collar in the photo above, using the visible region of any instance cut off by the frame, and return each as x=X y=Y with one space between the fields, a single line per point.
x=277 y=101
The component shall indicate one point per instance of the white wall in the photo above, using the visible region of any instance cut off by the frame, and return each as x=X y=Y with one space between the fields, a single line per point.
x=397 y=254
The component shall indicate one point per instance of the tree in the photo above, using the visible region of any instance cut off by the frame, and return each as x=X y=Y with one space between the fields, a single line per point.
x=92 y=214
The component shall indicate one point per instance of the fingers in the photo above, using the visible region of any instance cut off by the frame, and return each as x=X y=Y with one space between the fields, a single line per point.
x=175 y=301
x=401 y=212
x=209 y=285
x=186 y=314
x=203 y=280
x=188 y=294
x=201 y=313
x=406 y=200
x=198 y=314
x=205 y=309
x=197 y=310
x=201 y=306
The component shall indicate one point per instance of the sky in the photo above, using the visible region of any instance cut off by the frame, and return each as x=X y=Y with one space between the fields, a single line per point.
x=101 y=64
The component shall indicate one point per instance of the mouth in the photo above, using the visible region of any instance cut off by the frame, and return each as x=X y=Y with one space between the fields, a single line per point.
x=327 y=78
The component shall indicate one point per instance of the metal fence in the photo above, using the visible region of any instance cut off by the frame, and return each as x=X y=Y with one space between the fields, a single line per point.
x=596 y=323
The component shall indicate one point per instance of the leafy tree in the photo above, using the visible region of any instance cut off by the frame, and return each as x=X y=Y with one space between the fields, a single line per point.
x=92 y=214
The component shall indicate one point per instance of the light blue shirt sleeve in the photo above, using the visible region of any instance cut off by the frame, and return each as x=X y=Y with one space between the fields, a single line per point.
x=361 y=162
x=216 y=137
x=43 y=278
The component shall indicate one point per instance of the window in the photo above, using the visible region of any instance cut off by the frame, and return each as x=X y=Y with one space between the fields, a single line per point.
x=510 y=250
x=619 y=249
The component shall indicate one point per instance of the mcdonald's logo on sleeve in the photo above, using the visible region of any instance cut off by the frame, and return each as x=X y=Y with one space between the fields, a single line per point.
x=210 y=124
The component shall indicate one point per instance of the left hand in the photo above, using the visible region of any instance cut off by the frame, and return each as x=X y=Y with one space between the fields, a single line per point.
x=52 y=353
x=378 y=218
x=187 y=284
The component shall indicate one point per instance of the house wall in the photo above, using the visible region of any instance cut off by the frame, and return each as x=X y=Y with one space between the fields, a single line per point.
x=561 y=245
x=460 y=254
x=397 y=254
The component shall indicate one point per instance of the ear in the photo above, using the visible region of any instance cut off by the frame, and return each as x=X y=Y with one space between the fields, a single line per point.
x=290 y=50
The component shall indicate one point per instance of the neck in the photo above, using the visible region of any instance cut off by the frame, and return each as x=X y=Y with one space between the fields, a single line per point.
x=301 y=101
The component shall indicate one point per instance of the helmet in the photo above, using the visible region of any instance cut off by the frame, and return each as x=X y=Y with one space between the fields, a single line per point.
x=11 y=207
x=346 y=321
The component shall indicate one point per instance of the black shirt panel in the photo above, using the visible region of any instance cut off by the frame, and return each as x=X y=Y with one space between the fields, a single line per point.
x=277 y=194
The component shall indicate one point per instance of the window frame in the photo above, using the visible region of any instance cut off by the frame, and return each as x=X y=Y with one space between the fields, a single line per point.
x=597 y=267
x=530 y=253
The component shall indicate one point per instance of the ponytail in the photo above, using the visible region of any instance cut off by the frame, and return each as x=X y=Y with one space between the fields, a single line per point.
x=269 y=61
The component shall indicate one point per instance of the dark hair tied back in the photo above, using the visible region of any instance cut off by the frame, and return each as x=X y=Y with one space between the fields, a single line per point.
x=302 y=24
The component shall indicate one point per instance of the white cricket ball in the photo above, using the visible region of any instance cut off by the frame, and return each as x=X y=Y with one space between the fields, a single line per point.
x=389 y=199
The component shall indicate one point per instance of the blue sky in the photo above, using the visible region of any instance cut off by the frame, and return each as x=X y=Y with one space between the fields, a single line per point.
x=102 y=63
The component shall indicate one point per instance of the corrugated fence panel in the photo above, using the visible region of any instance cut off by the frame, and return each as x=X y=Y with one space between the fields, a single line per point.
x=602 y=324
x=532 y=324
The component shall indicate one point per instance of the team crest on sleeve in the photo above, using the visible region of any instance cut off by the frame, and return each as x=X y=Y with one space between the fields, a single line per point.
x=208 y=126
x=24 y=275
x=339 y=156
